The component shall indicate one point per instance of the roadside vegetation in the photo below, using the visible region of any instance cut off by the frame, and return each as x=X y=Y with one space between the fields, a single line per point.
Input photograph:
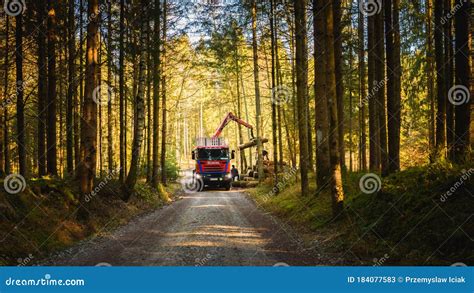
x=43 y=217
x=412 y=220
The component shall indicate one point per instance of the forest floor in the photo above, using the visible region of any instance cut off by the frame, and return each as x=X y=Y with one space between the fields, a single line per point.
x=420 y=216
x=42 y=219
x=209 y=228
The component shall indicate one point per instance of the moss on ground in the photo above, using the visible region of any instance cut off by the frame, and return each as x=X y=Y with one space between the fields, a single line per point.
x=43 y=218
x=411 y=220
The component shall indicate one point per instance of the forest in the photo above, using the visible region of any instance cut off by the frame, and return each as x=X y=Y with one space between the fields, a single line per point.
x=361 y=111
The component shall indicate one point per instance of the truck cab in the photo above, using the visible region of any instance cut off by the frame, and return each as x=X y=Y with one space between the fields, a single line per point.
x=213 y=162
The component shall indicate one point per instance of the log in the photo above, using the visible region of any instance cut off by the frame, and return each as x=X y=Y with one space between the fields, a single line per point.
x=251 y=143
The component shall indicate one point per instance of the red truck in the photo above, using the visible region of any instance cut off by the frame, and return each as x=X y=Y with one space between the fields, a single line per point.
x=213 y=158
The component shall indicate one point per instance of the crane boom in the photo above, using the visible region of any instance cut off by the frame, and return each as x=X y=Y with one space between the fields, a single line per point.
x=231 y=117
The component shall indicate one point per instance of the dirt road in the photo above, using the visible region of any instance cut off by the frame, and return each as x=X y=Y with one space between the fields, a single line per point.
x=200 y=229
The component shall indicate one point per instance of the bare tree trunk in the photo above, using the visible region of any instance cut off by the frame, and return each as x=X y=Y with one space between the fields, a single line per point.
x=149 y=67
x=302 y=88
x=448 y=65
x=6 y=145
x=139 y=110
x=371 y=98
x=337 y=192
x=71 y=92
x=110 y=142
x=79 y=100
x=51 y=163
x=430 y=70
x=42 y=90
x=320 y=90
x=258 y=118
x=122 y=107
x=89 y=113
x=156 y=93
x=362 y=95
x=440 y=69
x=20 y=106
x=163 y=100
x=274 y=97
x=392 y=39
x=463 y=76
x=380 y=79
x=337 y=10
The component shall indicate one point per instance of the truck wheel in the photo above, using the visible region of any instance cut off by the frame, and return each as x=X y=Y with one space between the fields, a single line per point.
x=227 y=186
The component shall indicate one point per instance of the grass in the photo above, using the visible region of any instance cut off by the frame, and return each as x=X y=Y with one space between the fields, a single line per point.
x=410 y=221
x=42 y=219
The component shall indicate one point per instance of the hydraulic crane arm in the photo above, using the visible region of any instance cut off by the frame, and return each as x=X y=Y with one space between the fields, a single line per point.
x=231 y=117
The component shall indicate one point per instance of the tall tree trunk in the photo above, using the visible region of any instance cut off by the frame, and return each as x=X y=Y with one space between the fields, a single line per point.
x=20 y=106
x=42 y=88
x=380 y=79
x=430 y=70
x=274 y=97
x=163 y=100
x=372 y=97
x=337 y=10
x=51 y=141
x=258 y=117
x=149 y=67
x=302 y=88
x=110 y=141
x=243 y=159
x=89 y=113
x=392 y=38
x=321 y=121
x=440 y=81
x=362 y=94
x=79 y=99
x=448 y=64
x=71 y=92
x=122 y=92
x=156 y=93
x=6 y=145
x=139 y=120
x=463 y=76
x=337 y=192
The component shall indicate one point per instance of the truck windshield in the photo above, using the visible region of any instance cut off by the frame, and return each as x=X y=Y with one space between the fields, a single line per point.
x=213 y=154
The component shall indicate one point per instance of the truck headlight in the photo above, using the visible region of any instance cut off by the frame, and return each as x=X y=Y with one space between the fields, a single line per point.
x=228 y=176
